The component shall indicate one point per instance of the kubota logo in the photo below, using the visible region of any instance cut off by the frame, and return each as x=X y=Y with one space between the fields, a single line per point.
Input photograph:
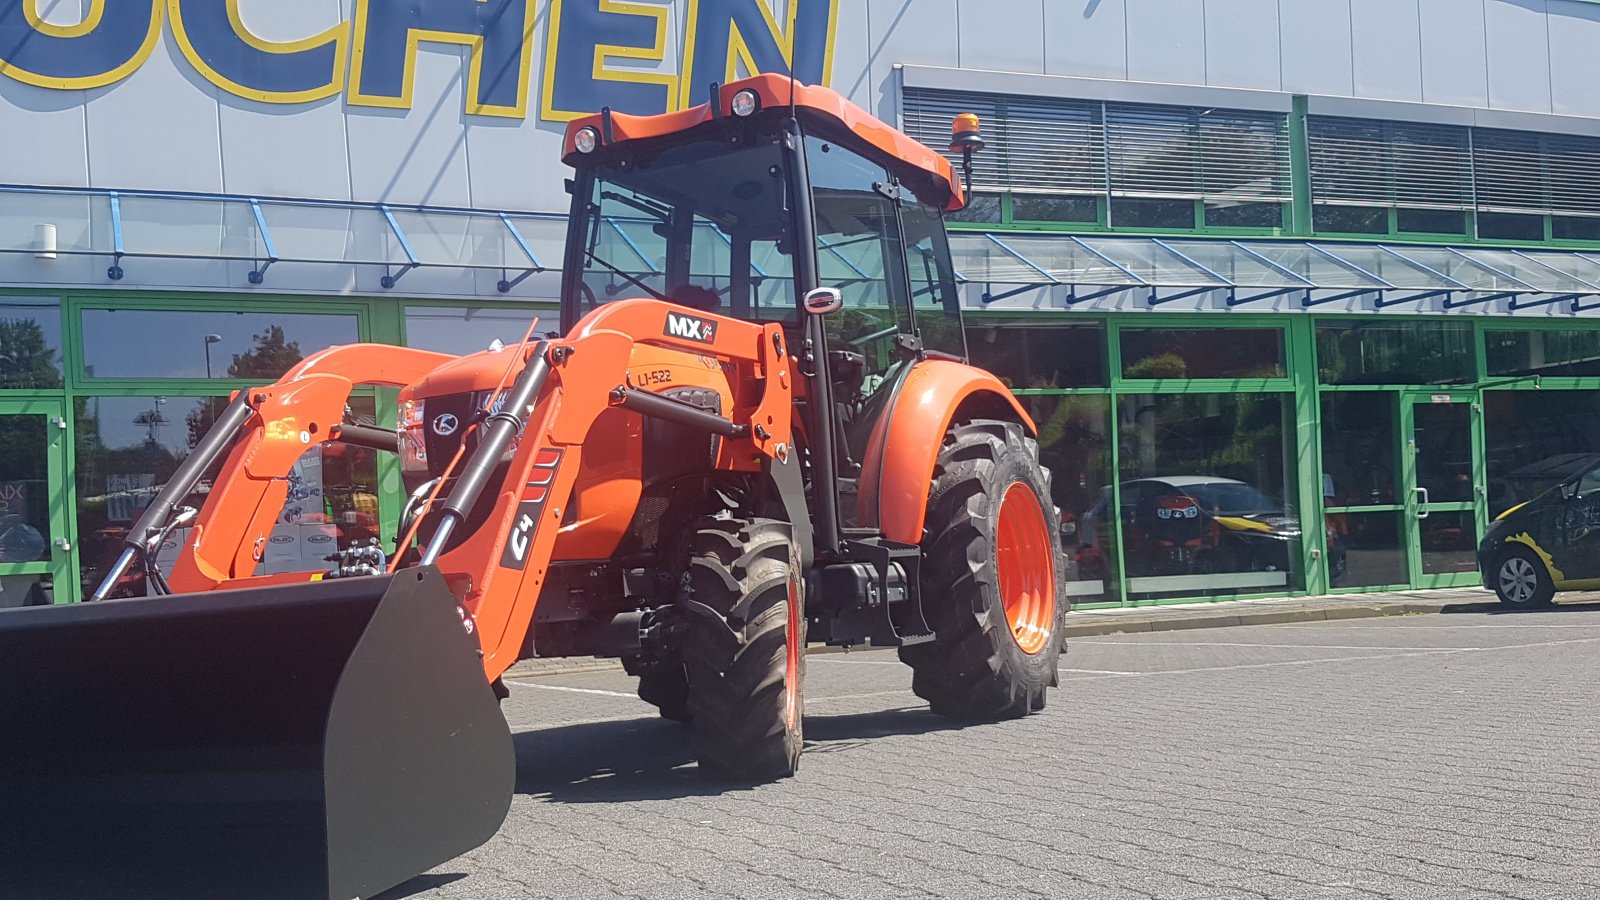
x=691 y=328
x=446 y=425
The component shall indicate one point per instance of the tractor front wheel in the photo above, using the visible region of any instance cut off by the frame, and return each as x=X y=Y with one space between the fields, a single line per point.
x=743 y=597
x=991 y=578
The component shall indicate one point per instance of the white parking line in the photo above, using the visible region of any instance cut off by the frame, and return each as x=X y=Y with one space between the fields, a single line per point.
x=1245 y=644
x=573 y=690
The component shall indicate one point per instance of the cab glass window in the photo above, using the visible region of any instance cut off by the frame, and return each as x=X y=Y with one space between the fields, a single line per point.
x=703 y=225
x=858 y=251
x=933 y=278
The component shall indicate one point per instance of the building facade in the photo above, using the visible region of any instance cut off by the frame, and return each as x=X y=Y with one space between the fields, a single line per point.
x=1301 y=293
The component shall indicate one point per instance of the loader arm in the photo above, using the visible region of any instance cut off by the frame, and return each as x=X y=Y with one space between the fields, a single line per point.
x=295 y=414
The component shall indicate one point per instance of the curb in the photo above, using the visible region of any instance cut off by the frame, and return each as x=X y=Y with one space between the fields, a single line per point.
x=1141 y=620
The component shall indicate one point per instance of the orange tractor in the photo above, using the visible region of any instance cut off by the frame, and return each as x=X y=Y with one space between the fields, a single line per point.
x=754 y=431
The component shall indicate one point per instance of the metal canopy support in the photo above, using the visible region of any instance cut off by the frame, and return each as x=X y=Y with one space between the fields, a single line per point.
x=1072 y=293
x=1156 y=299
x=504 y=286
x=989 y=297
x=259 y=273
x=1517 y=302
x=1384 y=302
x=1235 y=300
x=1452 y=303
x=1308 y=302
x=115 y=273
x=388 y=280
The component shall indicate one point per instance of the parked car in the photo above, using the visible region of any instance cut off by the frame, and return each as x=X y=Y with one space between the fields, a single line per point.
x=1199 y=524
x=1550 y=543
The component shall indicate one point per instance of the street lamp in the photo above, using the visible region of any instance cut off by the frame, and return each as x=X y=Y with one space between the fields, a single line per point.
x=210 y=339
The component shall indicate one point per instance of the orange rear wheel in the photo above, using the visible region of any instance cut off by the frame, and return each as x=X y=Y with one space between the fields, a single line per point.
x=1026 y=563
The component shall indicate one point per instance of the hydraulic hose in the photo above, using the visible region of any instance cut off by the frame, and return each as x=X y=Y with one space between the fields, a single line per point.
x=499 y=430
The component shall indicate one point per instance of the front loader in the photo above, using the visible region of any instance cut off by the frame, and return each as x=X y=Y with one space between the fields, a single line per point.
x=755 y=430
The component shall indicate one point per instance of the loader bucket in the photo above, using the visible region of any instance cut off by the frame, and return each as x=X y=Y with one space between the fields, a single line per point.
x=325 y=740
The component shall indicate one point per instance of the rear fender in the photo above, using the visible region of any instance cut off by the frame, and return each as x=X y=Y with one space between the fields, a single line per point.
x=905 y=444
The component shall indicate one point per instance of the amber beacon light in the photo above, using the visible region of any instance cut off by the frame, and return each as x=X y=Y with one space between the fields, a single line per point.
x=966 y=138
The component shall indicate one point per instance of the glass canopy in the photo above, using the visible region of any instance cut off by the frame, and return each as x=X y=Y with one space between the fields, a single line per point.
x=1168 y=269
x=124 y=225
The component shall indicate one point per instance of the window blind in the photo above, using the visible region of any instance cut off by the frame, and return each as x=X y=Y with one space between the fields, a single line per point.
x=1041 y=144
x=1377 y=163
x=1528 y=172
x=1064 y=146
x=1201 y=154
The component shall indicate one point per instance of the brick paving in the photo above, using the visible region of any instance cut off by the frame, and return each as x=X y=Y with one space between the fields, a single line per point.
x=1407 y=756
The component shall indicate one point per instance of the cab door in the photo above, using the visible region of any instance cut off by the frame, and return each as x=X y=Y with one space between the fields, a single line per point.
x=35 y=539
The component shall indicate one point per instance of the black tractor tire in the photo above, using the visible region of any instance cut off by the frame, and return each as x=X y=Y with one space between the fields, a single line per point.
x=743 y=595
x=1521 y=579
x=667 y=689
x=977 y=668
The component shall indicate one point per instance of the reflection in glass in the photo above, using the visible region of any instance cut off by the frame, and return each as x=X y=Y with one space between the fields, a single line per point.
x=30 y=342
x=1553 y=353
x=1534 y=440
x=1443 y=434
x=1449 y=543
x=1045 y=208
x=1366 y=550
x=24 y=489
x=462 y=330
x=143 y=343
x=128 y=447
x=1207 y=504
x=1420 y=352
x=26 y=590
x=1075 y=448
x=1027 y=355
x=1202 y=352
x=1358 y=449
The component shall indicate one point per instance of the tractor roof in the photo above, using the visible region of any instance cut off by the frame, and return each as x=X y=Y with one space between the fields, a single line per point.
x=823 y=111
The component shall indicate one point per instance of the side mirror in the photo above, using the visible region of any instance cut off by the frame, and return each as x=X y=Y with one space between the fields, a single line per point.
x=1569 y=490
x=824 y=301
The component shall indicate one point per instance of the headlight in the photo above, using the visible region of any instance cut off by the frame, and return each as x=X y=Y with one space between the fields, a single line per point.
x=746 y=103
x=586 y=140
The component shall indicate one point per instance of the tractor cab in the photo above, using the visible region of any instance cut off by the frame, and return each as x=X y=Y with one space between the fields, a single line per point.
x=746 y=206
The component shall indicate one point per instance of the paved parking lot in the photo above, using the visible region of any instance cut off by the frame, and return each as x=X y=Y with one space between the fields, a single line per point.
x=1447 y=756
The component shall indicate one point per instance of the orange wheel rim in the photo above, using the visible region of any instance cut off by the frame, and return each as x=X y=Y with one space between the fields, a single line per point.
x=791 y=668
x=1025 y=558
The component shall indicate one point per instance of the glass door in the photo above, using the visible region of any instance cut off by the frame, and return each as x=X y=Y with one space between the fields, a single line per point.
x=1444 y=486
x=35 y=548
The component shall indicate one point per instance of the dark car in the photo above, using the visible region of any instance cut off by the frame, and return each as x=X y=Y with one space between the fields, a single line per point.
x=1550 y=543
x=1200 y=524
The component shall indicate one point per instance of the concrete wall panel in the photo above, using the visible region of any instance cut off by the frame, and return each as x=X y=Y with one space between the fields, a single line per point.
x=1006 y=35
x=417 y=155
x=1454 y=53
x=1167 y=41
x=1242 y=44
x=1088 y=38
x=926 y=35
x=1386 y=51
x=1316 y=47
x=157 y=129
x=1519 y=54
x=1574 y=60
